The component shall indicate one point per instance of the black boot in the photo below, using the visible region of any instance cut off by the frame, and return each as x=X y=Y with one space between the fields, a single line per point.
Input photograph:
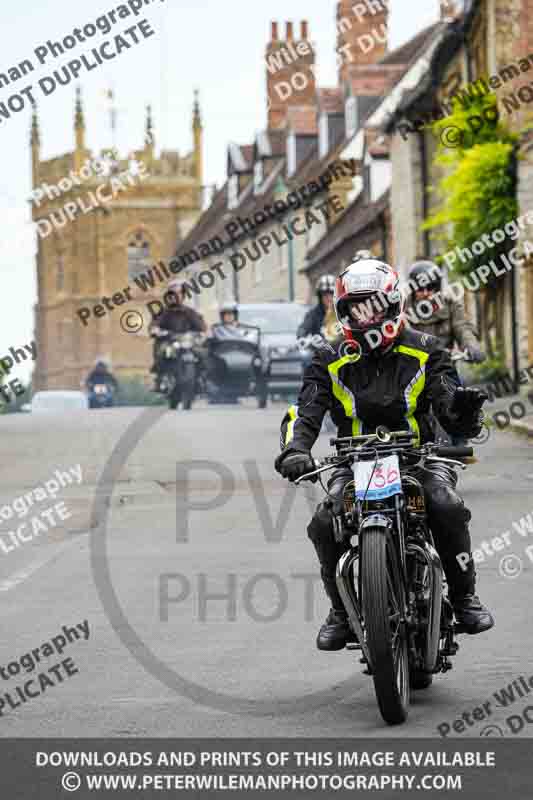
x=335 y=632
x=471 y=615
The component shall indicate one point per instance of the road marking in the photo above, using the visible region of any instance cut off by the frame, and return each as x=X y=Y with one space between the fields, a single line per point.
x=19 y=577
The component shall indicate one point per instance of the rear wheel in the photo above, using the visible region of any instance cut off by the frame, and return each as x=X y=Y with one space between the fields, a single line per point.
x=383 y=611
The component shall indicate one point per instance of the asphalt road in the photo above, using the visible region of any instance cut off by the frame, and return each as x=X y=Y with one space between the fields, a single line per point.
x=199 y=585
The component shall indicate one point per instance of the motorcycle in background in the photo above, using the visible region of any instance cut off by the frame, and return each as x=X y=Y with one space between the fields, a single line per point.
x=179 y=366
x=234 y=365
x=390 y=578
x=101 y=395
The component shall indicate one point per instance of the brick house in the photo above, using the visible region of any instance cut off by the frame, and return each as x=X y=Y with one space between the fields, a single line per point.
x=309 y=131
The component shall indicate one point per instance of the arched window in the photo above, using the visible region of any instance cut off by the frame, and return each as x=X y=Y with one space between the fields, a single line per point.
x=138 y=255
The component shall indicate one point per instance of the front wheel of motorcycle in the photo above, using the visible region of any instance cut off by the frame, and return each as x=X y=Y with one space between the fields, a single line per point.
x=262 y=394
x=188 y=391
x=420 y=680
x=383 y=601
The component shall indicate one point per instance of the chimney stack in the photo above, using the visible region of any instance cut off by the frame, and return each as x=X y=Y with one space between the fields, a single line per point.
x=448 y=10
x=290 y=73
x=362 y=34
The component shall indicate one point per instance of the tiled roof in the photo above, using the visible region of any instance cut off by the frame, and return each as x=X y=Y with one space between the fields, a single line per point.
x=406 y=52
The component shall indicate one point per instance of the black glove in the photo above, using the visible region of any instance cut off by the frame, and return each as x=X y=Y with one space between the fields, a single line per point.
x=468 y=402
x=295 y=463
x=467 y=405
x=475 y=354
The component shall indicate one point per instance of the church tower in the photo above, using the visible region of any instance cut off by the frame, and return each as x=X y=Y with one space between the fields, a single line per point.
x=101 y=220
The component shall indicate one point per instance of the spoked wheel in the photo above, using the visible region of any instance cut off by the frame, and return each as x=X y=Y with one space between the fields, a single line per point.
x=383 y=608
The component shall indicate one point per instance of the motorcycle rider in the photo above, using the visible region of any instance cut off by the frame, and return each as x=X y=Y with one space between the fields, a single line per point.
x=100 y=374
x=448 y=321
x=384 y=374
x=229 y=315
x=176 y=318
x=322 y=314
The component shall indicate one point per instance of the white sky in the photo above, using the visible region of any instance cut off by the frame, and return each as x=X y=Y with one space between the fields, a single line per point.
x=216 y=47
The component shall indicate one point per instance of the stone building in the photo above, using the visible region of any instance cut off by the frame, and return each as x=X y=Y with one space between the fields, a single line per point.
x=89 y=249
x=483 y=39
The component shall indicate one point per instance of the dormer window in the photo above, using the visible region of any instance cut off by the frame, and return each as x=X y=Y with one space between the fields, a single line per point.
x=258 y=175
x=323 y=135
x=350 y=111
x=291 y=154
x=233 y=191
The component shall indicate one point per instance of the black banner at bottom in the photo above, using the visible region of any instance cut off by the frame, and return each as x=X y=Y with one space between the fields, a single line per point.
x=46 y=769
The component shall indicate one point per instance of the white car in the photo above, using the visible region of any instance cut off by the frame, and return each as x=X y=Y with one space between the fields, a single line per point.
x=57 y=400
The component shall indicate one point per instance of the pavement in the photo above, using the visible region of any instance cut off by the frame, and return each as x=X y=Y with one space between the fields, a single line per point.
x=200 y=588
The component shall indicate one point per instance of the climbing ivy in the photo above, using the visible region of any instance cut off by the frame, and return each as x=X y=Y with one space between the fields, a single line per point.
x=478 y=189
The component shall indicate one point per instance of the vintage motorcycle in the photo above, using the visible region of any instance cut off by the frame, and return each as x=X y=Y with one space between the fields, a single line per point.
x=234 y=366
x=390 y=578
x=179 y=370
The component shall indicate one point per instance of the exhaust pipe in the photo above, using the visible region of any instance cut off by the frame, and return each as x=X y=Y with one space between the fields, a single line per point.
x=432 y=636
x=347 y=591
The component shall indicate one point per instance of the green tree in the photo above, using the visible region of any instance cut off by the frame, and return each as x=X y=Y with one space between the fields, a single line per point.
x=478 y=190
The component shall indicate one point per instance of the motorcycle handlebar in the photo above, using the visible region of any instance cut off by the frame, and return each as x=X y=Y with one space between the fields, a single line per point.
x=454 y=452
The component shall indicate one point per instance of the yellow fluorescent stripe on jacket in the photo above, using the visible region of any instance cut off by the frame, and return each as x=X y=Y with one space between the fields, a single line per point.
x=343 y=394
x=293 y=414
x=415 y=387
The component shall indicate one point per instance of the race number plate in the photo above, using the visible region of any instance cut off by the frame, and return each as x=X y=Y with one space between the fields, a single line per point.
x=384 y=482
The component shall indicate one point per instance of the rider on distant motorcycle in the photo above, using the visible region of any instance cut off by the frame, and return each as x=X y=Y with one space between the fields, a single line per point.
x=322 y=313
x=100 y=375
x=229 y=315
x=176 y=318
x=448 y=322
x=392 y=384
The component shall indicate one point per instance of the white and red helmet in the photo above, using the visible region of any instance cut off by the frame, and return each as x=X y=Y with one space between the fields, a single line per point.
x=369 y=304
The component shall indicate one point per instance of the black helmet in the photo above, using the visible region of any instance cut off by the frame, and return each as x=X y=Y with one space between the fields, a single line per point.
x=425 y=275
x=325 y=284
x=229 y=308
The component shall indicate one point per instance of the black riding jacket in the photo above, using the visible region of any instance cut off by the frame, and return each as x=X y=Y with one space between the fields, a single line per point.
x=180 y=319
x=395 y=389
x=311 y=324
